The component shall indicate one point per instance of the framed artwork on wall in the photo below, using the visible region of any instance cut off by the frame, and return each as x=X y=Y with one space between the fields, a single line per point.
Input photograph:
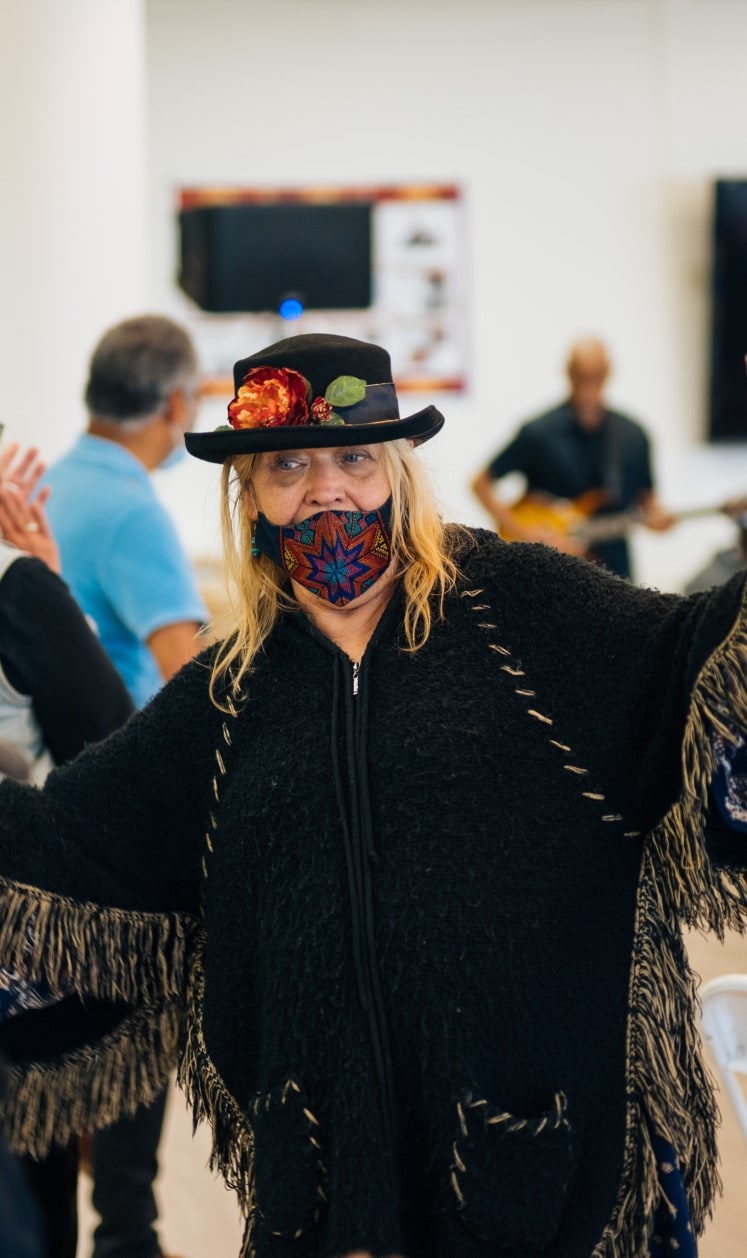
x=386 y=264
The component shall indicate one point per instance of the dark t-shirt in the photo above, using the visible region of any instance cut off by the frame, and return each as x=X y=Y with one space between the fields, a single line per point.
x=560 y=458
x=49 y=651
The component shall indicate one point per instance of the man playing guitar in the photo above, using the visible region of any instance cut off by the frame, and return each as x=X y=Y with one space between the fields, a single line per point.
x=581 y=453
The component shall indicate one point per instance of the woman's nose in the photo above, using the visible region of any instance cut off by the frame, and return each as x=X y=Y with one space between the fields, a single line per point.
x=325 y=486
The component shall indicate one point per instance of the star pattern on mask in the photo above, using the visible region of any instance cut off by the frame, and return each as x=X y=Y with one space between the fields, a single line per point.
x=339 y=557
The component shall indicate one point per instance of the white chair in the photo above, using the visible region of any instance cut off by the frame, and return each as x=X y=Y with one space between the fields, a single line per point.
x=724 y=1026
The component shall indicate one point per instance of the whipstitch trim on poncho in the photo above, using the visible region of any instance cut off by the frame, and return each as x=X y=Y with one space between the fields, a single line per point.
x=677 y=883
x=514 y=669
x=232 y=1136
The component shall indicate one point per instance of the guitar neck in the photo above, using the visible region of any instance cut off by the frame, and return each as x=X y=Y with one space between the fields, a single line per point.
x=608 y=528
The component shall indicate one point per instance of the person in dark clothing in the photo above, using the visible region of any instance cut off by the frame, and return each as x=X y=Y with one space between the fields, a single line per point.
x=50 y=657
x=724 y=564
x=21 y=1226
x=397 y=870
x=584 y=453
x=59 y=692
x=20 y=1222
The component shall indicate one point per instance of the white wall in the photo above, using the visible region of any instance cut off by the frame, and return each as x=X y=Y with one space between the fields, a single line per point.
x=585 y=133
x=72 y=209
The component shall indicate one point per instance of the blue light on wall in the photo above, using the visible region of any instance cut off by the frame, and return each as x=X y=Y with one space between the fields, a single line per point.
x=290 y=308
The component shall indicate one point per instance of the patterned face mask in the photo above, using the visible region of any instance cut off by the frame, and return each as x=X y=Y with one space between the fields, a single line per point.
x=337 y=555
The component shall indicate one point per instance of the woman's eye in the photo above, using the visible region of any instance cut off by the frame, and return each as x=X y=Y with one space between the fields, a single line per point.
x=355 y=456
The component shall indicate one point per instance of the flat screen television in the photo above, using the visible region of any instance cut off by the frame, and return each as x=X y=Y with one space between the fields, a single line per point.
x=250 y=257
x=728 y=379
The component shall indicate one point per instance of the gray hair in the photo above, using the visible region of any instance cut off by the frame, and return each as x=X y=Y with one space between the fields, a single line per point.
x=136 y=365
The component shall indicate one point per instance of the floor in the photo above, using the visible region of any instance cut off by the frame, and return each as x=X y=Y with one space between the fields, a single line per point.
x=200 y=1216
x=726 y=1236
x=200 y=1219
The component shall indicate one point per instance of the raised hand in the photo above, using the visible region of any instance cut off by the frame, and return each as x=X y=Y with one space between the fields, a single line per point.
x=24 y=469
x=23 y=520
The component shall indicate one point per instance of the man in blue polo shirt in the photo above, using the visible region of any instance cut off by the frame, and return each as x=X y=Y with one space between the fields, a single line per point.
x=120 y=551
x=124 y=562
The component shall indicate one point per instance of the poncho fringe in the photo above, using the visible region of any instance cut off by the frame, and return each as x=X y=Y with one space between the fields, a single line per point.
x=105 y=954
x=93 y=1086
x=233 y=1139
x=108 y=953
x=669 y=1087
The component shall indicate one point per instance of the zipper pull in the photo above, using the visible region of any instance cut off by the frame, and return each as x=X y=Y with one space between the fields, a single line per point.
x=356 y=670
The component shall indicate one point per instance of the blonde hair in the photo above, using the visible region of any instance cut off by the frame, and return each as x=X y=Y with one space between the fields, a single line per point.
x=259 y=592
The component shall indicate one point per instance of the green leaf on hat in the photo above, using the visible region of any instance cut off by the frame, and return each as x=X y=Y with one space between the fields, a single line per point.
x=224 y=428
x=345 y=391
x=334 y=418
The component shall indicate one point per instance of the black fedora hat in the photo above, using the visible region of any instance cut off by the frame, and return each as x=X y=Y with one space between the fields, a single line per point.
x=312 y=391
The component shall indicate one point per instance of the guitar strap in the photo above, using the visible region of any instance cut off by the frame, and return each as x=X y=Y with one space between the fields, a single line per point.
x=612 y=470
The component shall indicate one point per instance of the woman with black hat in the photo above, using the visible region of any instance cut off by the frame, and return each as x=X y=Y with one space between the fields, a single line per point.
x=397 y=870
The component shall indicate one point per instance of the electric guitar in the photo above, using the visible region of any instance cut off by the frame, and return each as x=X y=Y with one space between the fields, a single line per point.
x=578 y=528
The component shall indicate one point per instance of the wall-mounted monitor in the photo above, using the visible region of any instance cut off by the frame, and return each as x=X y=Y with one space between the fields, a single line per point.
x=247 y=257
x=728 y=380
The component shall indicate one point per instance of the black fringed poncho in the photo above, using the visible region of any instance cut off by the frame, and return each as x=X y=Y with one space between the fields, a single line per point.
x=416 y=949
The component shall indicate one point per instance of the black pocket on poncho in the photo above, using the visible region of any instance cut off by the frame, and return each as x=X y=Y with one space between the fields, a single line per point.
x=289 y=1172
x=510 y=1175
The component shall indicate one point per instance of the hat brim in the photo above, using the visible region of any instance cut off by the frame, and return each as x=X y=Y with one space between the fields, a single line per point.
x=216 y=447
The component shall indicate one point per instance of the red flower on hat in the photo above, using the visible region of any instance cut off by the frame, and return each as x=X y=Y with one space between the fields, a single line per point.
x=270 y=397
x=320 y=411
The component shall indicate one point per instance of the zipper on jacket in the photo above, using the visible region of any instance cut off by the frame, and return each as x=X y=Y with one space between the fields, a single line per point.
x=359 y=855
